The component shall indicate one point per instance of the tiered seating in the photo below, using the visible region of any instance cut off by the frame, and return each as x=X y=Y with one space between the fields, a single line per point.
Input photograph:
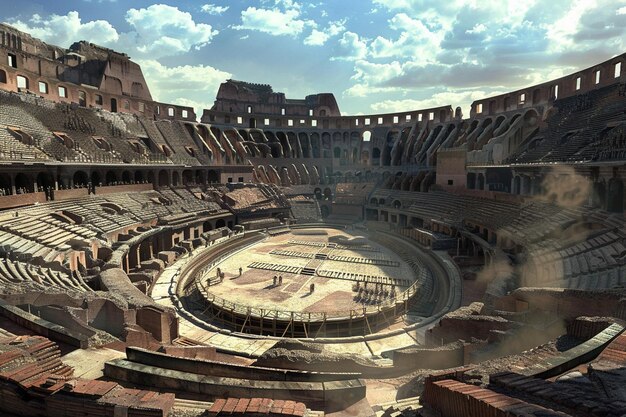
x=15 y=273
x=222 y=380
x=178 y=140
x=353 y=193
x=528 y=223
x=39 y=118
x=574 y=131
x=36 y=233
x=184 y=199
x=305 y=209
x=589 y=264
x=36 y=382
x=260 y=224
x=114 y=135
x=251 y=199
x=13 y=149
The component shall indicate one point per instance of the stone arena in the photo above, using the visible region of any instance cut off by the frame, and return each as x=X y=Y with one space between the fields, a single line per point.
x=274 y=257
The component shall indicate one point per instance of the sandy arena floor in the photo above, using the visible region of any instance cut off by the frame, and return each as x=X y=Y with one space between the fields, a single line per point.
x=255 y=286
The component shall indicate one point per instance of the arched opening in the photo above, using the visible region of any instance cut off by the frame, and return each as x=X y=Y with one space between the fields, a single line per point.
x=110 y=178
x=80 y=179
x=114 y=105
x=139 y=178
x=252 y=123
x=126 y=178
x=388 y=147
x=318 y=193
x=82 y=99
x=304 y=142
x=315 y=145
x=3 y=77
x=220 y=223
x=213 y=177
x=95 y=178
x=481 y=181
x=5 y=184
x=365 y=157
x=367 y=136
x=199 y=177
x=187 y=177
x=376 y=157
x=206 y=226
x=471 y=180
x=599 y=194
x=326 y=145
x=164 y=179
x=23 y=184
x=175 y=178
x=45 y=181
x=328 y=193
x=337 y=152
x=615 y=198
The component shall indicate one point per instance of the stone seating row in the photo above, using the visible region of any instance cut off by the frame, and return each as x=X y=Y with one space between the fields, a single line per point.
x=15 y=272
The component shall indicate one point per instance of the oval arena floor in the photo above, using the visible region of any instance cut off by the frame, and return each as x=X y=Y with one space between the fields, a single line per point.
x=303 y=260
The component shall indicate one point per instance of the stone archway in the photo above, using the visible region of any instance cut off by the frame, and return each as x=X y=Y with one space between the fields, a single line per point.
x=80 y=179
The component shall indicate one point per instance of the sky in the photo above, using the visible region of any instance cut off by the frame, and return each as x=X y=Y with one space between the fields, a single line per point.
x=376 y=56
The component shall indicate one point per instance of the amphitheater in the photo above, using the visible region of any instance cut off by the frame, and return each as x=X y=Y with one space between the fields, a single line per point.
x=277 y=258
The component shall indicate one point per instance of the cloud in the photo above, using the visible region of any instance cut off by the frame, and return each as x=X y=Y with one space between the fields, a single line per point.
x=376 y=74
x=414 y=38
x=319 y=37
x=349 y=48
x=273 y=21
x=161 y=30
x=64 y=30
x=461 y=98
x=213 y=9
x=188 y=85
x=316 y=38
x=464 y=44
x=156 y=31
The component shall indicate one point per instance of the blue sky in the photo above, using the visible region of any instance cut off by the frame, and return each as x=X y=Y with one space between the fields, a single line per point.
x=374 y=55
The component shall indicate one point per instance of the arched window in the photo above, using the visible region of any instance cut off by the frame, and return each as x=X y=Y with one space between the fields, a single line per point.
x=82 y=99
x=3 y=77
x=22 y=82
